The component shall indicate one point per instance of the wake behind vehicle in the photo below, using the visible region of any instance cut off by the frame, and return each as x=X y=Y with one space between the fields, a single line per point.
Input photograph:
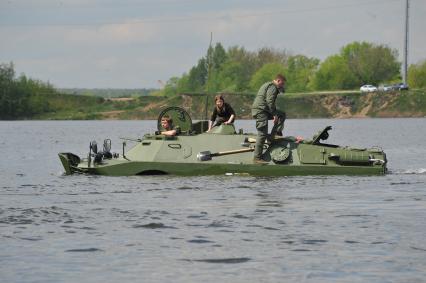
x=223 y=151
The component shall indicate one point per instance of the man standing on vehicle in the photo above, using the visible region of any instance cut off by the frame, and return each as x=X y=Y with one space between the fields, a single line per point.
x=264 y=109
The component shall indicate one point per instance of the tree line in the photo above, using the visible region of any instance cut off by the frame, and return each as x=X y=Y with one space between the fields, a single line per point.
x=23 y=97
x=239 y=70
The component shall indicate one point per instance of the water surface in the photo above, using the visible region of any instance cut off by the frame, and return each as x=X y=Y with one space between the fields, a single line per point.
x=56 y=228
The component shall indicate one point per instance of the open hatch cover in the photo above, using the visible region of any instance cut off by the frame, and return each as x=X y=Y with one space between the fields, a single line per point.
x=179 y=116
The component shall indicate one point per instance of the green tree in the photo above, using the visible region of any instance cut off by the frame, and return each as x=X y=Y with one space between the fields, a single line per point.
x=218 y=57
x=197 y=76
x=232 y=77
x=7 y=74
x=267 y=55
x=358 y=63
x=268 y=63
x=334 y=73
x=231 y=70
x=417 y=75
x=300 y=72
x=237 y=70
x=371 y=63
x=215 y=59
x=22 y=97
x=265 y=74
x=171 y=87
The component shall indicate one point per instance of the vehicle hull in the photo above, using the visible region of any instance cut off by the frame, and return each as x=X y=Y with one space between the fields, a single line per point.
x=195 y=169
x=157 y=155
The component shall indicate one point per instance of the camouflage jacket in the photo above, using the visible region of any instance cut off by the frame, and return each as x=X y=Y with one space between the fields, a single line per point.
x=265 y=99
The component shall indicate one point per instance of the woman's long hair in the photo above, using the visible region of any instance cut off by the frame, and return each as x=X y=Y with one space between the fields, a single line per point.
x=219 y=97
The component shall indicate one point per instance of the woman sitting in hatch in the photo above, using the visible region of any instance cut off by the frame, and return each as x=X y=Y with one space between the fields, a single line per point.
x=222 y=113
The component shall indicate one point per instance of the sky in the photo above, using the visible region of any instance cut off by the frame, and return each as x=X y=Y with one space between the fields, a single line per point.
x=143 y=43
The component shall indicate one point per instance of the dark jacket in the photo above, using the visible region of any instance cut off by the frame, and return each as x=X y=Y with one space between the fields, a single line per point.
x=265 y=99
x=224 y=113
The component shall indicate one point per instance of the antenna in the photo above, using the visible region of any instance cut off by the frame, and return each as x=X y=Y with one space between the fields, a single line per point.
x=405 y=72
x=209 y=65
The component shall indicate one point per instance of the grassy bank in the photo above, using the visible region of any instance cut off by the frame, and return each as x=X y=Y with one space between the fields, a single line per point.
x=297 y=105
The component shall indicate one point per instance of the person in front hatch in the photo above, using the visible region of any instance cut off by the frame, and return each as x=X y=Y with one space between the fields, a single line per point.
x=169 y=129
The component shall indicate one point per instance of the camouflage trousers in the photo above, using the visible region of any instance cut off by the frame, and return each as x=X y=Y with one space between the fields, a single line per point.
x=262 y=129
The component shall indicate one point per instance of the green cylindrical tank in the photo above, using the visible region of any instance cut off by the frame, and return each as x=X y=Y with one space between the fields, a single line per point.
x=354 y=157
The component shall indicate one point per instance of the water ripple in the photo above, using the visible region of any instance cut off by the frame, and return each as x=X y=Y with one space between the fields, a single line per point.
x=222 y=260
x=153 y=226
x=85 y=250
x=200 y=241
x=418 y=249
x=314 y=242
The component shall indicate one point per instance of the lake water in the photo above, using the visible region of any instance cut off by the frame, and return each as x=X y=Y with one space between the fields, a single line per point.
x=56 y=228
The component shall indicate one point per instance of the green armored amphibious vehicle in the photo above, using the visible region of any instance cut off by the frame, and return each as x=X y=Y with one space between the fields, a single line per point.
x=223 y=151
